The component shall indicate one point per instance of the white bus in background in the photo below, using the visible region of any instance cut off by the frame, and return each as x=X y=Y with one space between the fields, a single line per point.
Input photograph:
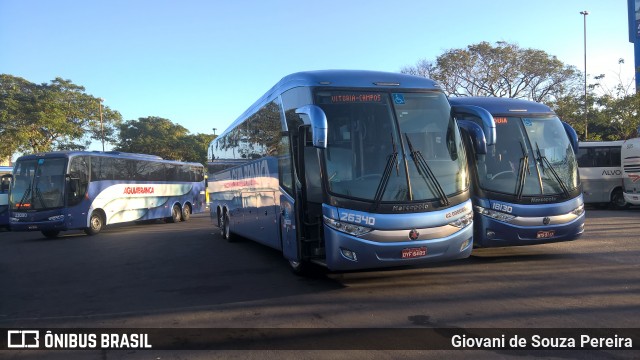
x=601 y=173
x=630 y=157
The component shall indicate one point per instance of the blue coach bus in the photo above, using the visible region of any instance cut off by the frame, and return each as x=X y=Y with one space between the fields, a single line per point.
x=57 y=191
x=5 y=181
x=346 y=169
x=526 y=186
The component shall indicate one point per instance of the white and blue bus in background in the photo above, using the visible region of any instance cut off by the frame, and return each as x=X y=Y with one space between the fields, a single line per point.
x=601 y=173
x=526 y=186
x=630 y=162
x=57 y=191
x=5 y=182
x=348 y=170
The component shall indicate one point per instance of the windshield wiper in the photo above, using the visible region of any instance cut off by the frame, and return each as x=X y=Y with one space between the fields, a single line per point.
x=38 y=194
x=24 y=197
x=544 y=162
x=523 y=170
x=382 y=186
x=425 y=171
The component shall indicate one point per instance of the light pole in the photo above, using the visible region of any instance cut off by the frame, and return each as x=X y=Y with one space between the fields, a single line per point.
x=586 y=115
x=100 y=100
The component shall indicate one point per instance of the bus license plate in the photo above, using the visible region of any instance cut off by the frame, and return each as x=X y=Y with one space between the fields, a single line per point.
x=414 y=252
x=545 y=234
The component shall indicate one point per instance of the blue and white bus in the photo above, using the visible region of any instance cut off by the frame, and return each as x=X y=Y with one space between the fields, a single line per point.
x=57 y=191
x=526 y=186
x=5 y=182
x=346 y=169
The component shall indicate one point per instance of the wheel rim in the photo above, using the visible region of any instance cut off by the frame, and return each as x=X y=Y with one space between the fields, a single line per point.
x=96 y=222
x=176 y=213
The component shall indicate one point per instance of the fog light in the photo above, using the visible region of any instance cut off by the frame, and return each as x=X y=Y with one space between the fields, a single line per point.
x=464 y=245
x=350 y=255
x=490 y=234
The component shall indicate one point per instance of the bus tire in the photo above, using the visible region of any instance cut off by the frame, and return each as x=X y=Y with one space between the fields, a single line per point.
x=96 y=223
x=226 y=229
x=617 y=200
x=176 y=214
x=305 y=268
x=50 y=234
x=186 y=213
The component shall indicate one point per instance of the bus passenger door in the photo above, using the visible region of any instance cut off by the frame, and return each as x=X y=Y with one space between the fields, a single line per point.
x=288 y=227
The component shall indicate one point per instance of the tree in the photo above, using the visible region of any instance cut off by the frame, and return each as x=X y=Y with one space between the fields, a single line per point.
x=54 y=116
x=504 y=70
x=159 y=136
x=612 y=111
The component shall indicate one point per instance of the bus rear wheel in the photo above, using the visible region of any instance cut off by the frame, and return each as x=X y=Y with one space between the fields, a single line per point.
x=50 y=234
x=96 y=223
x=186 y=213
x=226 y=229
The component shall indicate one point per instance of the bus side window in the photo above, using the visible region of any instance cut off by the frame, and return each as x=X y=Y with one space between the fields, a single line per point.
x=78 y=180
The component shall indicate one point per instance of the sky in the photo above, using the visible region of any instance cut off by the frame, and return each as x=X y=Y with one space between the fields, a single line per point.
x=201 y=63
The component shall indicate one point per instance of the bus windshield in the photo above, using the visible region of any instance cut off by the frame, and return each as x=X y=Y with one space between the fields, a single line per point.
x=532 y=156
x=392 y=146
x=38 y=185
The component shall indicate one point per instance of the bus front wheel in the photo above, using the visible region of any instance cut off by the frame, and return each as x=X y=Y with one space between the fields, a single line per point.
x=176 y=214
x=96 y=223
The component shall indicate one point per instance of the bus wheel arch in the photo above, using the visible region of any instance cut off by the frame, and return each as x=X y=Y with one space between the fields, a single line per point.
x=176 y=213
x=617 y=199
x=186 y=212
x=97 y=221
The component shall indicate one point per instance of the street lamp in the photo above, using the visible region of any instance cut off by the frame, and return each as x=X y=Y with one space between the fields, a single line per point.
x=586 y=118
x=100 y=100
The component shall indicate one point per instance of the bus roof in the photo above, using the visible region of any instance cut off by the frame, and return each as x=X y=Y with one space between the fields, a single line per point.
x=115 y=154
x=338 y=78
x=504 y=106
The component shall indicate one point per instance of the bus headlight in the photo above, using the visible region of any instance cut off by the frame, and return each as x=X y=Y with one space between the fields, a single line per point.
x=494 y=214
x=578 y=211
x=56 y=218
x=464 y=221
x=351 y=229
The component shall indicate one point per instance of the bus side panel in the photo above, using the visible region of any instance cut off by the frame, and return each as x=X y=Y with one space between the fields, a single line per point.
x=251 y=193
x=128 y=201
x=598 y=183
x=630 y=157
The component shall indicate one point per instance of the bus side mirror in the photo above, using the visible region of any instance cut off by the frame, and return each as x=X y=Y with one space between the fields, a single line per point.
x=476 y=134
x=573 y=136
x=488 y=124
x=314 y=116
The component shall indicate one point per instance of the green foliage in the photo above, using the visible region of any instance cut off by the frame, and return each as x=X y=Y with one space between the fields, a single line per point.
x=51 y=116
x=504 y=70
x=159 y=136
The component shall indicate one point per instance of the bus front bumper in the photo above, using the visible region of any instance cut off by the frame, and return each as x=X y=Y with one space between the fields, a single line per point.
x=345 y=252
x=494 y=233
